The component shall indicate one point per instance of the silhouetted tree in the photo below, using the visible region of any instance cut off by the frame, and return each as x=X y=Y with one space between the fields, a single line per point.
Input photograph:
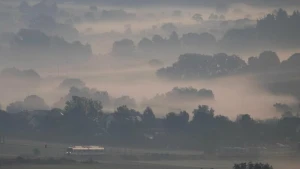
x=125 y=100
x=184 y=116
x=203 y=116
x=148 y=117
x=32 y=102
x=197 y=17
x=267 y=61
x=146 y=45
x=213 y=17
x=289 y=127
x=48 y=25
x=282 y=107
x=291 y=63
x=195 y=66
x=245 y=120
x=15 y=107
x=101 y=96
x=169 y=27
x=239 y=40
x=283 y=35
x=173 y=41
x=15 y=73
x=171 y=120
x=83 y=107
x=71 y=82
x=204 y=42
x=35 y=45
x=43 y=7
x=126 y=123
x=123 y=48
x=81 y=115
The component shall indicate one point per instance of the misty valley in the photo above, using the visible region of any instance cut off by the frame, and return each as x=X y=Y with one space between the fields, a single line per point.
x=161 y=84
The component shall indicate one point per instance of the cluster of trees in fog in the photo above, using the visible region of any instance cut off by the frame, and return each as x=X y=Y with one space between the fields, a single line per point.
x=186 y=93
x=198 y=66
x=19 y=80
x=44 y=15
x=85 y=118
x=30 y=103
x=51 y=9
x=14 y=73
x=283 y=35
x=48 y=25
x=108 y=15
x=277 y=75
x=29 y=79
x=160 y=47
x=39 y=36
x=30 y=11
x=33 y=45
x=71 y=82
x=102 y=96
x=176 y=95
x=287 y=110
x=43 y=7
x=163 y=47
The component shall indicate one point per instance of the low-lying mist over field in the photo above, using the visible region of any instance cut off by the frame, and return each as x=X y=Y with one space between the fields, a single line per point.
x=230 y=95
x=119 y=50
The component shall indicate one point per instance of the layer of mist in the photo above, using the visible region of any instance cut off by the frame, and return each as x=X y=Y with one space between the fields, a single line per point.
x=125 y=52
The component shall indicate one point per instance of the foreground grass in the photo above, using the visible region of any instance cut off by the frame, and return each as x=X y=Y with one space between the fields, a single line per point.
x=96 y=166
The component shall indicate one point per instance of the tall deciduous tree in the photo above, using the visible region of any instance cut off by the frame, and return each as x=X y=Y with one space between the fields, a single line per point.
x=148 y=117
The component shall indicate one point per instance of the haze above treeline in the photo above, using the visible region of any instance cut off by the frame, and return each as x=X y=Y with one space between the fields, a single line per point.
x=239 y=58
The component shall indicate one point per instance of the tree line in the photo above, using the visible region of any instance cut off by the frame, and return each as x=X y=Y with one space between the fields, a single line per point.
x=199 y=66
x=284 y=35
x=84 y=119
x=278 y=77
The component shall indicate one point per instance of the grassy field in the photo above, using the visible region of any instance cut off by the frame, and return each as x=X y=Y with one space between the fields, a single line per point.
x=227 y=164
x=98 y=166
x=14 y=148
x=204 y=164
